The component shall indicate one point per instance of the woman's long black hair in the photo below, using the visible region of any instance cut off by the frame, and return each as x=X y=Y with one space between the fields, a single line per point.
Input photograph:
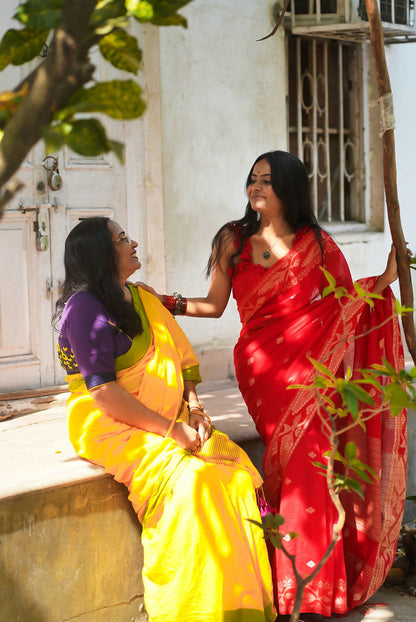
x=90 y=264
x=290 y=184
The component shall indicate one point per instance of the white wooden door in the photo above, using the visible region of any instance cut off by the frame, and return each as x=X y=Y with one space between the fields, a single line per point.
x=32 y=237
x=31 y=266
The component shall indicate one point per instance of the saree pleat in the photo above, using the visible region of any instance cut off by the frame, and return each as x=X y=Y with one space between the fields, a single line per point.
x=285 y=323
x=204 y=561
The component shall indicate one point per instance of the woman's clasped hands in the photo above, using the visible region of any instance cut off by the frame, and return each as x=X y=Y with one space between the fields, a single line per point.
x=191 y=437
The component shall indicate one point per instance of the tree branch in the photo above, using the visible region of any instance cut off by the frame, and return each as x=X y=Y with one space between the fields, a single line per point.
x=64 y=71
x=390 y=181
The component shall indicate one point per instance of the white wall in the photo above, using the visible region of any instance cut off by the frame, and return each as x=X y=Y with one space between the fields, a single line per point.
x=223 y=103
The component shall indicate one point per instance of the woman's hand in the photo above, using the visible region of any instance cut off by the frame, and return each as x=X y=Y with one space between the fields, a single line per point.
x=149 y=289
x=186 y=437
x=390 y=274
x=201 y=425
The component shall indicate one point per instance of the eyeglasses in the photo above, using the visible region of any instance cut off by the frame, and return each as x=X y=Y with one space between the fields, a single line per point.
x=123 y=237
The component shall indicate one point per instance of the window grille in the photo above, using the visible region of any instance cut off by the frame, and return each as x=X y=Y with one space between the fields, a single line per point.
x=325 y=123
x=392 y=11
x=347 y=20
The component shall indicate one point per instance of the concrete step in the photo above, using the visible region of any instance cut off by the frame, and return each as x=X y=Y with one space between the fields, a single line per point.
x=70 y=541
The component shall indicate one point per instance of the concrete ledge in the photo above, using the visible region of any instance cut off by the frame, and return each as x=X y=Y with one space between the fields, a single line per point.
x=70 y=545
x=37 y=455
x=70 y=540
x=71 y=553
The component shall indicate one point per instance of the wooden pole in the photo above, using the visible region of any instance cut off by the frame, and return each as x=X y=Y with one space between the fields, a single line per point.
x=389 y=165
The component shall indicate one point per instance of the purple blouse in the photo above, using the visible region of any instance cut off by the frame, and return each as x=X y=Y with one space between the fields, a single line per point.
x=89 y=340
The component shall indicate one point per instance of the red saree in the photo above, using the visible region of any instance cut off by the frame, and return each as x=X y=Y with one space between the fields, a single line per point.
x=286 y=321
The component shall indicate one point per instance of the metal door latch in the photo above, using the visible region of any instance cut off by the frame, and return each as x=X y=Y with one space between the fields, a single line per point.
x=55 y=181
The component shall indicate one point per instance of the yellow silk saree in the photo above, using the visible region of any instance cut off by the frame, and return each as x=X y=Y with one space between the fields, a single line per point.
x=203 y=560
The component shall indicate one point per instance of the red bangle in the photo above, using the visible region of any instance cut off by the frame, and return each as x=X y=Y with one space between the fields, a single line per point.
x=176 y=304
x=170 y=303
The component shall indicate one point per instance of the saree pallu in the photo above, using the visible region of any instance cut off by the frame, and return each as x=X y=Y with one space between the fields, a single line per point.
x=285 y=322
x=203 y=560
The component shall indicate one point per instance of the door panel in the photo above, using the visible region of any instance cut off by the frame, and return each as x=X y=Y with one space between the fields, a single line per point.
x=32 y=268
x=21 y=306
x=15 y=330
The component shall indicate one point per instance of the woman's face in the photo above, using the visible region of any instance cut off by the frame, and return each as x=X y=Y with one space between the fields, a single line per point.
x=260 y=192
x=125 y=250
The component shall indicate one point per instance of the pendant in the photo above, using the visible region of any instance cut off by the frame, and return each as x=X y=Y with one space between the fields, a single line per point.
x=266 y=254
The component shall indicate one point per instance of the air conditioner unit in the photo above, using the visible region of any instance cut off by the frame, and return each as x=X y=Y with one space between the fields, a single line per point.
x=347 y=19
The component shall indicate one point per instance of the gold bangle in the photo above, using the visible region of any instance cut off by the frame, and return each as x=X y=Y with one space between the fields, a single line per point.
x=200 y=411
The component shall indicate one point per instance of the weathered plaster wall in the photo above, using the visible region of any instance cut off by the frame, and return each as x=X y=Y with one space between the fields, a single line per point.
x=402 y=62
x=223 y=103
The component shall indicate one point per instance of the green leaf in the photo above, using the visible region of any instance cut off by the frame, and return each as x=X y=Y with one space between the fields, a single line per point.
x=382 y=369
x=276 y=541
x=300 y=386
x=40 y=14
x=165 y=12
x=328 y=401
x=350 y=400
x=20 y=46
x=350 y=450
x=85 y=136
x=9 y=103
x=401 y=309
x=340 y=480
x=112 y=24
x=337 y=456
x=293 y=535
x=319 y=465
x=360 y=472
x=118 y=149
x=321 y=382
x=273 y=521
x=341 y=292
x=88 y=138
x=121 y=50
x=140 y=9
x=355 y=486
x=107 y=15
x=54 y=136
x=360 y=393
x=322 y=369
x=120 y=99
x=255 y=522
x=331 y=280
x=173 y=20
x=360 y=291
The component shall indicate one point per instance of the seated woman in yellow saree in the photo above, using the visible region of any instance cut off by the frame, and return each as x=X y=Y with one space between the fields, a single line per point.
x=133 y=409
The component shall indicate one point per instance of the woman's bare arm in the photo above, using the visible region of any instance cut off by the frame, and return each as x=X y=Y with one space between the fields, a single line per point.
x=214 y=303
x=121 y=405
x=390 y=273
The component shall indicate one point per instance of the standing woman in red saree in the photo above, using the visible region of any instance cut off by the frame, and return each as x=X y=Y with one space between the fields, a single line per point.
x=271 y=261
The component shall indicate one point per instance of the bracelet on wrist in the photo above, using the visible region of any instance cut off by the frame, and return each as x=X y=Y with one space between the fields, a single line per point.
x=176 y=303
x=181 y=304
x=198 y=410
